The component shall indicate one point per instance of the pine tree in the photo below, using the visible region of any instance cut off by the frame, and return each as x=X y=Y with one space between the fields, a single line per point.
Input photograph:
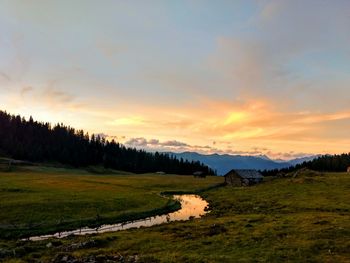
x=41 y=142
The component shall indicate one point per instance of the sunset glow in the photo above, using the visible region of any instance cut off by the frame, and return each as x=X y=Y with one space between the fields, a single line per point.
x=237 y=77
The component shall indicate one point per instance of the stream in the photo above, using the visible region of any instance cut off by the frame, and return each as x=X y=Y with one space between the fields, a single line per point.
x=192 y=206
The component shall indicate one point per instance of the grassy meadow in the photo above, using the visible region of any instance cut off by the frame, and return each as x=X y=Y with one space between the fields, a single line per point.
x=303 y=219
x=39 y=200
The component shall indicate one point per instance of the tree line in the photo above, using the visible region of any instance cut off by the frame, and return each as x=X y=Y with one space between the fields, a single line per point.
x=325 y=163
x=41 y=142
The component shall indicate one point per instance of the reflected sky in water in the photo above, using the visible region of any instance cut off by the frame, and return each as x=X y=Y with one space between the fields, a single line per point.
x=192 y=206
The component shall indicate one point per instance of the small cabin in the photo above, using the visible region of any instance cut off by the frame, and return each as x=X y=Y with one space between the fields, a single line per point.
x=239 y=177
x=348 y=170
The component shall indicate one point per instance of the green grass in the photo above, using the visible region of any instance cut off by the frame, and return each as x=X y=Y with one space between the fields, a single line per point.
x=39 y=200
x=304 y=219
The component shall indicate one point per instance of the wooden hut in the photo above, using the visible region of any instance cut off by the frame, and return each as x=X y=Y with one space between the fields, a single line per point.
x=239 y=177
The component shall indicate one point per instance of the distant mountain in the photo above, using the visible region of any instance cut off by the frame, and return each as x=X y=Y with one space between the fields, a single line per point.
x=224 y=163
x=303 y=159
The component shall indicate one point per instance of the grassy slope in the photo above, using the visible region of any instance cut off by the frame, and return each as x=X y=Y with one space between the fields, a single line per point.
x=304 y=219
x=43 y=200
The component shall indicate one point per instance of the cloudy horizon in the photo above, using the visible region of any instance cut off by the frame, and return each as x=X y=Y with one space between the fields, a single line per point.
x=236 y=77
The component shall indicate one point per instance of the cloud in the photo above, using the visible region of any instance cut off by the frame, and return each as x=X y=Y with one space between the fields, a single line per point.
x=270 y=9
x=153 y=142
x=5 y=76
x=26 y=90
x=290 y=155
x=53 y=96
x=137 y=142
x=143 y=142
x=128 y=121
x=49 y=96
x=273 y=77
x=260 y=124
x=176 y=146
x=290 y=57
x=173 y=143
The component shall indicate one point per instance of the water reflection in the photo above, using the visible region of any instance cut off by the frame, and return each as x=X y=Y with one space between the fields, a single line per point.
x=192 y=206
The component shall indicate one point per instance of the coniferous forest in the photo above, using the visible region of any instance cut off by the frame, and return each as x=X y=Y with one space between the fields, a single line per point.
x=40 y=142
x=325 y=163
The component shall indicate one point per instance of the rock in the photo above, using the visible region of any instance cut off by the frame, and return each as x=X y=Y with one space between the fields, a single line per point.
x=216 y=229
x=132 y=259
x=5 y=253
x=56 y=243
x=101 y=258
x=80 y=245
x=64 y=259
x=49 y=245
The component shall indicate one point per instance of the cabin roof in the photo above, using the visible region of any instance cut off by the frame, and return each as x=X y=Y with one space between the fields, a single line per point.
x=247 y=173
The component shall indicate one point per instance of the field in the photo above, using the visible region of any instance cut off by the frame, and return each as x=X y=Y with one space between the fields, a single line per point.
x=303 y=219
x=38 y=200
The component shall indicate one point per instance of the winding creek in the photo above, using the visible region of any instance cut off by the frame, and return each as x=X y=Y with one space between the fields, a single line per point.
x=192 y=206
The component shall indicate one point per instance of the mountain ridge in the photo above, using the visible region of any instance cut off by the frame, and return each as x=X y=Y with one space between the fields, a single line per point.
x=223 y=163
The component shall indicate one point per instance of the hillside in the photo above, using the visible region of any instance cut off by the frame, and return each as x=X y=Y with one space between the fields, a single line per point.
x=303 y=219
x=325 y=163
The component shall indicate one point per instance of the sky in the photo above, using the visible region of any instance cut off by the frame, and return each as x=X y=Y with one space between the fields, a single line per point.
x=236 y=77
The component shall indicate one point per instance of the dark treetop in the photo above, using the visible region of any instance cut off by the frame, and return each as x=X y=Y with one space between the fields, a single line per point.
x=40 y=142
